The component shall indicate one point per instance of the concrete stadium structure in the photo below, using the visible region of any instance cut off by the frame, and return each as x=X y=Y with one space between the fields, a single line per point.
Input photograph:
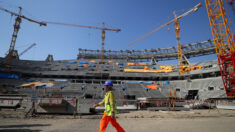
x=83 y=78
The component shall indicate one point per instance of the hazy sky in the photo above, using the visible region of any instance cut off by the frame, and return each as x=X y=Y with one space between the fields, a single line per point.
x=134 y=17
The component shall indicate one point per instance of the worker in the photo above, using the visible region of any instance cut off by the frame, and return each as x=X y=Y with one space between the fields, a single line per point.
x=110 y=109
x=83 y=87
x=146 y=88
x=123 y=88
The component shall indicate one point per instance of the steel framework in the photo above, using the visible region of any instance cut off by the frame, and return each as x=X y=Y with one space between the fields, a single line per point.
x=159 y=54
x=224 y=43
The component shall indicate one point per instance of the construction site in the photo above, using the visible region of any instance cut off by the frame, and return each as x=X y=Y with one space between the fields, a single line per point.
x=60 y=95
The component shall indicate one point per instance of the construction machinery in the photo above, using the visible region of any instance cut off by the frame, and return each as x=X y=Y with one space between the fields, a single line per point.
x=103 y=29
x=224 y=44
x=182 y=67
x=17 y=56
x=12 y=53
x=31 y=46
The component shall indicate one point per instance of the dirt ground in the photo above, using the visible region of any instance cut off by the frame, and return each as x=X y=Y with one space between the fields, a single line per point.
x=135 y=121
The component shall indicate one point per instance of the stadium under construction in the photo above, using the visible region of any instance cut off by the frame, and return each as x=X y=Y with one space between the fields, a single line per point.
x=68 y=85
x=140 y=82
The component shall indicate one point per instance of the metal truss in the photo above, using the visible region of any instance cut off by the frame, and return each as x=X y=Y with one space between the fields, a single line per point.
x=160 y=54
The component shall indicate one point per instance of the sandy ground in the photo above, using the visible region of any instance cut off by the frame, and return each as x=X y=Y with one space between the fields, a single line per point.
x=135 y=121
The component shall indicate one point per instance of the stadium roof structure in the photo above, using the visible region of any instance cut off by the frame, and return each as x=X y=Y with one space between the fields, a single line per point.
x=160 y=54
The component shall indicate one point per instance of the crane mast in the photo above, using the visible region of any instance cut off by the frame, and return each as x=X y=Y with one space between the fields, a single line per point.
x=224 y=44
x=102 y=49
x=11 y=51
x=177 y=31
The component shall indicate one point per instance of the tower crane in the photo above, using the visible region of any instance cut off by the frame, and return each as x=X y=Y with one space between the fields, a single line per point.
x=31 y=46
x=224 y=44
x=18 y=21
x=182 y=68
x=103 y=29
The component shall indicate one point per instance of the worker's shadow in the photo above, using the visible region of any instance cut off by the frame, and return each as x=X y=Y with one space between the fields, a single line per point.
x=24 y=125
x=19 y=130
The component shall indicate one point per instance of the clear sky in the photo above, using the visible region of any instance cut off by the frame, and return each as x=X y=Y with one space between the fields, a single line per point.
x=134 y=17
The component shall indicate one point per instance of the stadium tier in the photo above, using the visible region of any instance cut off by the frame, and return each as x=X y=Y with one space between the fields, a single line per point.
x=86 y=70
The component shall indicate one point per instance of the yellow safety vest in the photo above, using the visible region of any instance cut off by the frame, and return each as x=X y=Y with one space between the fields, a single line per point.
x=107 y=103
